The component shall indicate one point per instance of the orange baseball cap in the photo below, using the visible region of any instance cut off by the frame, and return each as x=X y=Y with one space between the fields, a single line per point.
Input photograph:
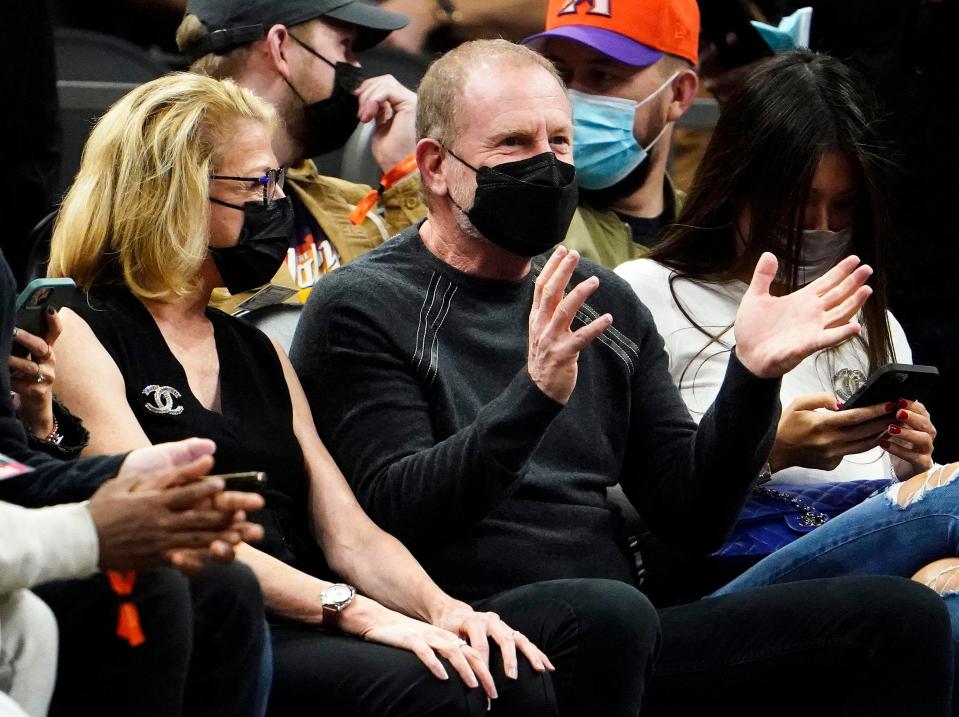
x=634 y=32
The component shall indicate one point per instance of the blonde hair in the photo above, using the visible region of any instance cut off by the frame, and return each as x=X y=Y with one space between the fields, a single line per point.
x=138 y=209
x=190 y=32
x=440 y=90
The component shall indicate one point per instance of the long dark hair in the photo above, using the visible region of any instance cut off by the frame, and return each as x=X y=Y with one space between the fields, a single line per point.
x=765 y=150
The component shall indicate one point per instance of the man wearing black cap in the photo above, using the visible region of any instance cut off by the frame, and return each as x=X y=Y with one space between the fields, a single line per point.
x=299 y=55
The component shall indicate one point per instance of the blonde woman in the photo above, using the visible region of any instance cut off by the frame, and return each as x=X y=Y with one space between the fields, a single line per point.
x=178 y=193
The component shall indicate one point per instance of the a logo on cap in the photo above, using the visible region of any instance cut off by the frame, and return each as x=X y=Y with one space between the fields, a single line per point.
x=596 y=7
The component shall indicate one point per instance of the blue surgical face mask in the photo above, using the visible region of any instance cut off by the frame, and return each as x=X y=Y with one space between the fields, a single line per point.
x=604 y=148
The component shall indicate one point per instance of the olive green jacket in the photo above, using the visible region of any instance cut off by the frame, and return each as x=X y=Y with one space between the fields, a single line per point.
x=601 y=236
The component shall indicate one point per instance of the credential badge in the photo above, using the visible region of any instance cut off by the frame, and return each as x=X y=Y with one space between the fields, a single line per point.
x=162 y=399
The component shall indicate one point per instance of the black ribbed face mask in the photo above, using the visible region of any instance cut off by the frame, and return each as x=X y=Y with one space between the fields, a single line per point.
x=331 y=121
x=525 y=206
x=262 y=246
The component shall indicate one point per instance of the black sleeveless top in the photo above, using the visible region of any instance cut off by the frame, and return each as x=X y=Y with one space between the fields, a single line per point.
x=254 y=430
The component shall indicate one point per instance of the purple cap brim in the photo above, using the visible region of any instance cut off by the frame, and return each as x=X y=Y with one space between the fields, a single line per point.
x=612 y=44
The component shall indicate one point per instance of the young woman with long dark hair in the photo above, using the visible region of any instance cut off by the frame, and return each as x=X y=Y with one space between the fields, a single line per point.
x=795 y=167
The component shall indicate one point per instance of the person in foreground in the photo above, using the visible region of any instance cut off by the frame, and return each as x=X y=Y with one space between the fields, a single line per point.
x=481 y=406
x=804 y=135
x=204 y=634
x=168 y=365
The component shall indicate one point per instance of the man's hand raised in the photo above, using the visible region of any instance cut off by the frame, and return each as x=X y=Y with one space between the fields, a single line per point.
x=775 y=333
x=553 y=346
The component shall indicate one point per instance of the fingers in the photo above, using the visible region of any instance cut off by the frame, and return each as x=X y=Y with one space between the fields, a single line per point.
x=582 y=337
x=835 y=276
x=231 y=500
x=914 y=407
x=555 y=286
x=432 y=662
x=184 y=497
x=847 y=287
x=763 y=275
x=476 y=632
x=812 y=401
x=857 y=416
x=54 y=328
x=503 y=636
x=917 y=418
x=544 y=276
x=471 y=668
x=836 y=335
x=249 y=532
x=848 y=308
x=571 y=303
x=918 y=459
x=537 y=658
x=38 y=349
x=381 y=97
x=183 y=474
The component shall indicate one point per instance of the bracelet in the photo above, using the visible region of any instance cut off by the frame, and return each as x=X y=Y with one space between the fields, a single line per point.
x=387 y=181
x=53 y=436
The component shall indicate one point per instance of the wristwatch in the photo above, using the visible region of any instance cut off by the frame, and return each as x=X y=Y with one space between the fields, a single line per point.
x=335 y=599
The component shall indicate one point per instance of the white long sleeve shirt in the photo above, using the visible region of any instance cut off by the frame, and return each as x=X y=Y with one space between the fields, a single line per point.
x=45 y=544
x=698 y=364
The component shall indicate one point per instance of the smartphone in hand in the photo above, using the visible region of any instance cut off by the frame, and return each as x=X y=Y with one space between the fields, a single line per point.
x=894 y=381
x=34 y=302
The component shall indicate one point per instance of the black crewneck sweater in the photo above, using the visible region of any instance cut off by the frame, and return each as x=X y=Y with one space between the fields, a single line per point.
x=416 y=374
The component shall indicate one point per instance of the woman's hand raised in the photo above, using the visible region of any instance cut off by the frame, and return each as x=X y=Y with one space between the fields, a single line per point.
x=775 y=333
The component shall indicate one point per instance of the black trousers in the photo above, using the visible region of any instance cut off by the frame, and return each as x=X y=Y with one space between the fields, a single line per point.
x=839 y=646
x=600 y=634
x=205 y=636
x=862 y=645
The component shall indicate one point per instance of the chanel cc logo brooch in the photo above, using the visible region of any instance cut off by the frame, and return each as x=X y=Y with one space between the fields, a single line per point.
x=162 y=400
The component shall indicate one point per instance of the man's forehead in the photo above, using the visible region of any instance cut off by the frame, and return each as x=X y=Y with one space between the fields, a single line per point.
x=520 y=110
x=493 y=89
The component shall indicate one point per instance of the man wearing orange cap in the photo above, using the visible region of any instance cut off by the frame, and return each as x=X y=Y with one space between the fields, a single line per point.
x=629 y=66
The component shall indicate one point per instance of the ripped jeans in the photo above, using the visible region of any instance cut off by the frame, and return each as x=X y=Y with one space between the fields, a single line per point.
x=877 y=537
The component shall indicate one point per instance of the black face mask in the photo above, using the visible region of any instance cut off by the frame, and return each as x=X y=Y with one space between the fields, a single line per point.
x=264 y=240
x=330 y=122
x=525 y=206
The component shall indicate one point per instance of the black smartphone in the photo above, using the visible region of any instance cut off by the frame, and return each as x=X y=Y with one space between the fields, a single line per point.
x=33 y=302
x=726 y=24
x=894 y=381
x=248 y=481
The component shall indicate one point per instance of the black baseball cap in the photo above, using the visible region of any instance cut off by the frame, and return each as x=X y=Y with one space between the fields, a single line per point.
x=234 y=23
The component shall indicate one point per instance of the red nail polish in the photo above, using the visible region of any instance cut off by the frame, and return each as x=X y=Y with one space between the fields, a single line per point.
x=903 y=403
x=895 y=430
x=884 y=444
x=839 y=405
x=902 y=415
x=889 y=407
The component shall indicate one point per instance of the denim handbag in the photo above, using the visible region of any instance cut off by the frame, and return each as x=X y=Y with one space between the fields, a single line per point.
x=775 y=516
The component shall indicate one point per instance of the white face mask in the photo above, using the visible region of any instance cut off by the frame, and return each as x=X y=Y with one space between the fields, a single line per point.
x=821 y=250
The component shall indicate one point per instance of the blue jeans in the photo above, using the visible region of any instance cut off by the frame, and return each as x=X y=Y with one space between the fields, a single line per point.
x=877 y=537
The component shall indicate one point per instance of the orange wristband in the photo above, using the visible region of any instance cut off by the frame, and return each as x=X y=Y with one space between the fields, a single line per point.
x=387 y=181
